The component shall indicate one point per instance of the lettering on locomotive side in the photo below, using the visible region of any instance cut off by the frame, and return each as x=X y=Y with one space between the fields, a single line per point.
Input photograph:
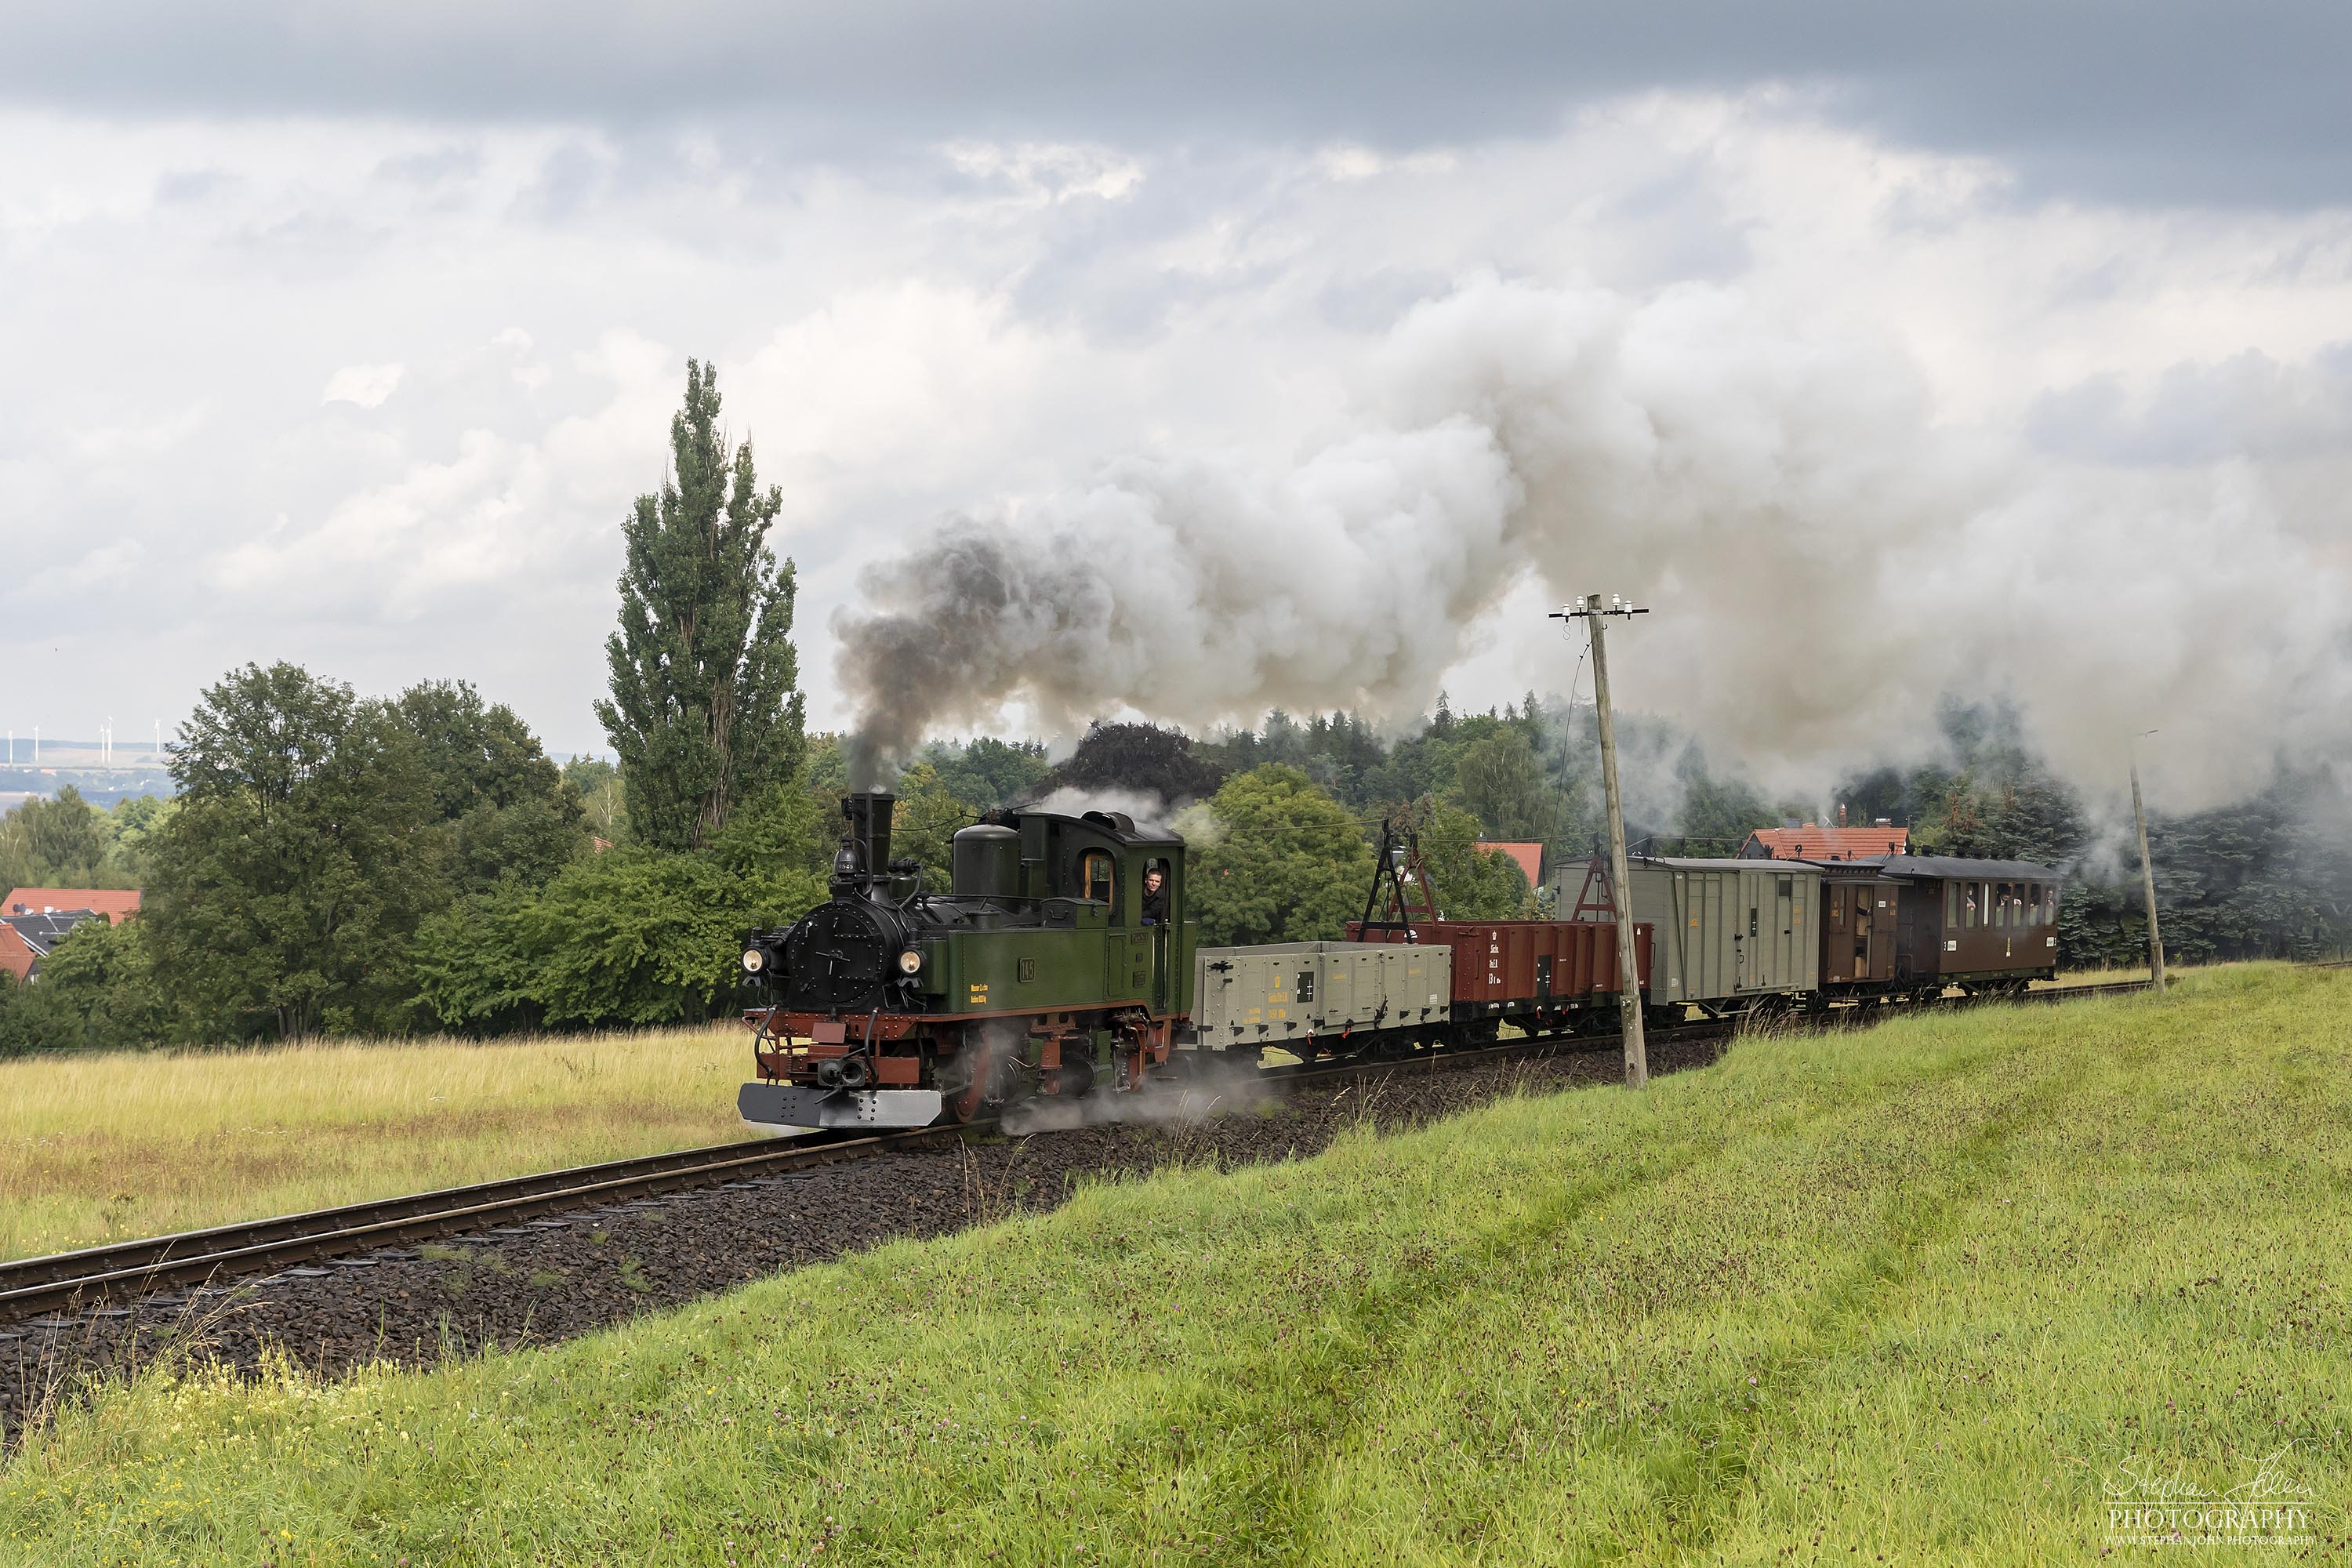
x=979 y=991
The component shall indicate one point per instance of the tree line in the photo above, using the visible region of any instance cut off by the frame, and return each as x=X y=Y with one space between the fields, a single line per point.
x=339 y=864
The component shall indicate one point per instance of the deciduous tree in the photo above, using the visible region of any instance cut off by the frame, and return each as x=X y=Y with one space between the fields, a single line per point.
x=301 y=859
x=509 y=813
x=705 y=711
x=1275 y=858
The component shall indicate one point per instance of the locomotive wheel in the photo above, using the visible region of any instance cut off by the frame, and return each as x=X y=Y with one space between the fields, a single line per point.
x=963 y=1080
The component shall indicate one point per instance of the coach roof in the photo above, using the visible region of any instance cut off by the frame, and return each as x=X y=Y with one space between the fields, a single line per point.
x=1942 y=867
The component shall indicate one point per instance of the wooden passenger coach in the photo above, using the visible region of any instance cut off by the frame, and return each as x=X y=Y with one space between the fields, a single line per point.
x=1984 y=925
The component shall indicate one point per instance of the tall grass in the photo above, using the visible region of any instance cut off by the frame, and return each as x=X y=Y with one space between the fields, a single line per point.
x=2172 y=971
x=104 y=1147
x=1909 y=1295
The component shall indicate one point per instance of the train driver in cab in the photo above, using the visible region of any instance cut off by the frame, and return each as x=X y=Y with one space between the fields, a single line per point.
x=1155 y=894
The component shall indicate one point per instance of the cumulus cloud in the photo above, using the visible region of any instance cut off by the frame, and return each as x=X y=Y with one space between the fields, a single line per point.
x=366 y=385
x=1090 y=332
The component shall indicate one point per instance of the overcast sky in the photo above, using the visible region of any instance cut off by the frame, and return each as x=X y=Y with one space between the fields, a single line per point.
x=347 y=334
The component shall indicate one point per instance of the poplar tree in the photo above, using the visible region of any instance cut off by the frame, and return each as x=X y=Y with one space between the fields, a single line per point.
x=705 y=712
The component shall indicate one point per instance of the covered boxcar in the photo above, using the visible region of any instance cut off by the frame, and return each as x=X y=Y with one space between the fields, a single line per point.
x=1863 y=949
x=1733 y=935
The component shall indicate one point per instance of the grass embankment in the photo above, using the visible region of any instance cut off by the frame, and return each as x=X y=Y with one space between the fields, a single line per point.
x=102 y=1148
x=1911 y=1293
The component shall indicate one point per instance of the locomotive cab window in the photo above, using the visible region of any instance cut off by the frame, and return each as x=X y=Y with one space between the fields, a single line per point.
x=1159 y=889
x=1096 y=875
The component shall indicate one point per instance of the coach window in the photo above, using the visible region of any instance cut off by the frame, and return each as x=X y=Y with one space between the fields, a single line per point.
x=1974 y=898
x=1095 y=872
x=1951 y=906
x=2034 y=904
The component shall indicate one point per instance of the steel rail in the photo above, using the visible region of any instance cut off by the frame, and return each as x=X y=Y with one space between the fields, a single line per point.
x=33 y=1286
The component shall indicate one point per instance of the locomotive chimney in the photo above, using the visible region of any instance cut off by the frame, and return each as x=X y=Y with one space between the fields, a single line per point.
x=865 y=857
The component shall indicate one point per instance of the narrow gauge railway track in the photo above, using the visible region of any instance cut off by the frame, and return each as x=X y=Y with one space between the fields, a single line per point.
x=31 y=1287
x=70 y=1281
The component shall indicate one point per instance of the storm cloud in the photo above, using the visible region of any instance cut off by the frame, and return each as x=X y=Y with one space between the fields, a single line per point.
x=2196 y=100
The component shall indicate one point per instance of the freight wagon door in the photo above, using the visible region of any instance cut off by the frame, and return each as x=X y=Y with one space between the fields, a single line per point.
x=1751 y=933
x=1713 y=922
x=1785 y=939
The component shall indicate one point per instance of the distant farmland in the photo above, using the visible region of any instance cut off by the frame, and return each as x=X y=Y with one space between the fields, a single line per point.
x=103 y=1147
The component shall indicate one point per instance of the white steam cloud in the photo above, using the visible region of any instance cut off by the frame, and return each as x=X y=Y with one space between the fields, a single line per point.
x=1824 y=559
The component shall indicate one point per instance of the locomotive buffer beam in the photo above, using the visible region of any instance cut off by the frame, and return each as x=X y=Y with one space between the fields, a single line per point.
x=790 y=1105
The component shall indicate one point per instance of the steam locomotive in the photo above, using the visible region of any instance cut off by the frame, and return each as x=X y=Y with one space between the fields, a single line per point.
x=1063 y=961
x=1046 y=969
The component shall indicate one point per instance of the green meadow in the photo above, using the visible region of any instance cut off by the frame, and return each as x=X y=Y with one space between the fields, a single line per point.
x=1917 y=1295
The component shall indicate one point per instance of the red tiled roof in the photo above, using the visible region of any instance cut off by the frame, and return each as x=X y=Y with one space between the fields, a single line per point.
x=16 y=954
x=1815 y=843
x=1529 y=856
x=117 y=904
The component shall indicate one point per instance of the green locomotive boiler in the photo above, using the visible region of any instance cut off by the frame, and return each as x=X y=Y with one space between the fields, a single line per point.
x=1059 y=963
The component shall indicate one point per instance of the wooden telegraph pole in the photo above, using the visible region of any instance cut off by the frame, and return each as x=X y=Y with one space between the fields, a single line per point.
x=2146 y=872
x=1593 y=612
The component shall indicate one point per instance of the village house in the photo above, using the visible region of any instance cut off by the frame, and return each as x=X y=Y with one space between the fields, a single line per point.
x=33 y=921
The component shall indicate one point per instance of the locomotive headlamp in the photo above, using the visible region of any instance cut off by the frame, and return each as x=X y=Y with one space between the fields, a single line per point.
x=911 y=961
x=754 y=960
